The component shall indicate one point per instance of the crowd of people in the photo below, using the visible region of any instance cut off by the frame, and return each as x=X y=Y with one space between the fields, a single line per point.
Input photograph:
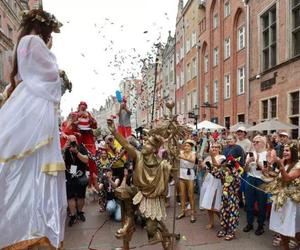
x=228 y=171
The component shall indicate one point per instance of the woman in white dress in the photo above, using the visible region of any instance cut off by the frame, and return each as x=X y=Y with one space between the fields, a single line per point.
x=32 y=170
x=187 y=178
x=285 y=213
x=211 y=191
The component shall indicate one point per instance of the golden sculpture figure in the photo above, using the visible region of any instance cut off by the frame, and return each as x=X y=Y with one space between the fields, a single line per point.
x=150 y=181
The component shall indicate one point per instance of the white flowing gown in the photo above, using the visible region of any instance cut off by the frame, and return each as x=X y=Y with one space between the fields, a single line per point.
x=32 y=178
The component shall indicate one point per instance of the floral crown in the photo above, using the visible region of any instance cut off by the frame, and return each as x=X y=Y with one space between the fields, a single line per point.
x=41 y=16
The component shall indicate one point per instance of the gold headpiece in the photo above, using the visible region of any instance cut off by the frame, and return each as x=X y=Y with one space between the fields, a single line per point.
x=155 y=140
x=44 y=17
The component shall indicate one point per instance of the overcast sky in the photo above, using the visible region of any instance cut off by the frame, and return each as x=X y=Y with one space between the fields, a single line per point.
x=97 y=32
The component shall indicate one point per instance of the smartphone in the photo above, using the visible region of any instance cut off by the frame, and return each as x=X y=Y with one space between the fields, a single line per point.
x=265 y=163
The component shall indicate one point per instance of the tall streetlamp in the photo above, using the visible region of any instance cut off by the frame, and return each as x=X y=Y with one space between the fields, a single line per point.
x=157 y=62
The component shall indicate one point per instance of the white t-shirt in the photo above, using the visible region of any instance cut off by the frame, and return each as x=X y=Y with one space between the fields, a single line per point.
x=245 y=144
x=252 y=166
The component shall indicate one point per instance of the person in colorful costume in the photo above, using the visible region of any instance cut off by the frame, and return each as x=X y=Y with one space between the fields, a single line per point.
x=229 y=173
x=285 y=213
x=148 y=192
x=86 y=123
x=124 y=127
x=32 y=171
x=69 y=127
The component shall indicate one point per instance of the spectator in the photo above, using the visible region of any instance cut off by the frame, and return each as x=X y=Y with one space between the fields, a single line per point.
x=256 y=162
x=234 y=150
x=285 y=213
x=274 y=139
x=242 y=139
x=76 y=161
x=283 y=139
x=211 y=190
x=109 y=184
x=116 y=154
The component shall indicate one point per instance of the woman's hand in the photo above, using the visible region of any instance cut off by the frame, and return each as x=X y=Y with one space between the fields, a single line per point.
x=111 y=125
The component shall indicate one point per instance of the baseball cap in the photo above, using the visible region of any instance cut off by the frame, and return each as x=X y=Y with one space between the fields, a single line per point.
x=243 y=129
x=284 y=133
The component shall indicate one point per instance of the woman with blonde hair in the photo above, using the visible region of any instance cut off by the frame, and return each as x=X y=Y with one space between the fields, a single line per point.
x=211 y=191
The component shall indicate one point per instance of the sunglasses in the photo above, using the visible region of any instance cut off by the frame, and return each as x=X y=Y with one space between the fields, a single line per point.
x=255 y=142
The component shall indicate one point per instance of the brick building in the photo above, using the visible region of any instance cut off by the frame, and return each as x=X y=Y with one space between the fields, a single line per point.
x=10 y=20
x=223 y=57
x=274 y=61
x=187 y=81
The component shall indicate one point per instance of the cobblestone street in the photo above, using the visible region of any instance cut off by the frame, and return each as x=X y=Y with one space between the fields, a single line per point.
x=193 y=236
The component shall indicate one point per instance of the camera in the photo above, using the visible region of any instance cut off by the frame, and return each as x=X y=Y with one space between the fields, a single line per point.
x=250 y=154
x=73 y=144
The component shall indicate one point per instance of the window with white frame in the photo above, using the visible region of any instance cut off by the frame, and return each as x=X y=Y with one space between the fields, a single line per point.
x=178 y=56
x=216 y=56
x=194 y=98
x=294 y=112
x=182 y=106
x=216 y=91
x=215 y=20
x=178 y=81
x=269 y=108
x=241 y=38
x=182 y=78
x=227 y=86
x=295 y=8
x=188 y=72
x=181 y=52
x=227 y=9
x=206 y=64
x=194 y=67
x=227 y=48
x=194 y=39
x=189 y=104
x=269 y=38
x=241 y=81
x=206 y=93
x=188 y=45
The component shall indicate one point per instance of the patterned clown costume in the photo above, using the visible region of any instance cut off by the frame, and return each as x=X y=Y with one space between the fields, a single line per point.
x=229 y=213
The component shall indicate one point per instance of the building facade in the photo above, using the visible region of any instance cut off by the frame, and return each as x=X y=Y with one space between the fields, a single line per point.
x=223 y=61
x=187 y=57
x=275 y=61
x=168 y=71
x=10 y=20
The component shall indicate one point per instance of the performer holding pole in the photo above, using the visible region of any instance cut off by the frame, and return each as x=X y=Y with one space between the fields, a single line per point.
x=150 y=182
x=32 y=170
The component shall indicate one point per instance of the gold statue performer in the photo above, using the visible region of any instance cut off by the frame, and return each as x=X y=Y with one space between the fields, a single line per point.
x=150 y=182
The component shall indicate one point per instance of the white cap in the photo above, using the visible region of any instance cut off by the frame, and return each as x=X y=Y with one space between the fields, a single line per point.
x=243 y=129
x=284 y=133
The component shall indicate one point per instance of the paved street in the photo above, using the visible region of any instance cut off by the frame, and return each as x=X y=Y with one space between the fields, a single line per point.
x=193 y=236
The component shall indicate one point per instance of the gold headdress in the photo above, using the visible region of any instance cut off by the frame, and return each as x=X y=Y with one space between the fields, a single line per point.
x=41 y=16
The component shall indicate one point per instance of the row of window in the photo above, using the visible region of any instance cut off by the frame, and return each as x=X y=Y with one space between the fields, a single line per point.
x=227 y=86
x=187 y=104
x=189 y=44
x=269 y=28
x=269 y=106
x=227 y=11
